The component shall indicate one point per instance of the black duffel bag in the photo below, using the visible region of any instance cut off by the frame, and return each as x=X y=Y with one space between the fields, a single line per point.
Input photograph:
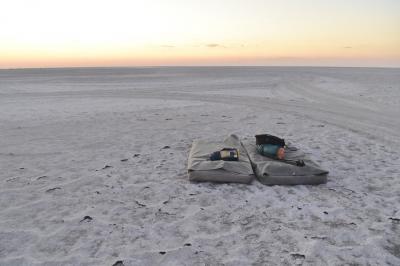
x=269 y=139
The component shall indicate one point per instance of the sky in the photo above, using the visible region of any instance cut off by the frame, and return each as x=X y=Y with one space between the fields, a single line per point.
x=63 y=33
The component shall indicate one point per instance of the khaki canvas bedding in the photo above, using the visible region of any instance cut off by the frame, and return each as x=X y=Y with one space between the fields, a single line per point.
x=275 y=172
x=200 y=168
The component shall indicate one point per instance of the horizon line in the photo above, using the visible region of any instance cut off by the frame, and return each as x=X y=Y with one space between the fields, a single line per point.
x=199 y=66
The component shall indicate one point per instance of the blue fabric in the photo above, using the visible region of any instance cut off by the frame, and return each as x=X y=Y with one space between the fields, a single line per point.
x=269 y=150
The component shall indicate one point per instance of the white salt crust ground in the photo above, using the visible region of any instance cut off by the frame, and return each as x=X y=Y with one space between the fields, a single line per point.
x=112 y=144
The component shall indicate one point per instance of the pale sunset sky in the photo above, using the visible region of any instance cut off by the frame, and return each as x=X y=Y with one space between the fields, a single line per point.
x=62 y=33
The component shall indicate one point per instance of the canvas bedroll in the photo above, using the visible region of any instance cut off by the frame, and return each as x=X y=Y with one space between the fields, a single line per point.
x=200 y=168
x=276 y=172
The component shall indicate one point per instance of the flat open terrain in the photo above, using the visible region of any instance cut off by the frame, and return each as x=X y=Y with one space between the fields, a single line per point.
x=93 y=166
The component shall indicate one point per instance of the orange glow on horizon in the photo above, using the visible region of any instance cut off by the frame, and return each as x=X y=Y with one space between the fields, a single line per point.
x=133 y=33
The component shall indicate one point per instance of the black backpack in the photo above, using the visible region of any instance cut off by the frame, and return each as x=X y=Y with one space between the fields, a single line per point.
x=269 y=139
